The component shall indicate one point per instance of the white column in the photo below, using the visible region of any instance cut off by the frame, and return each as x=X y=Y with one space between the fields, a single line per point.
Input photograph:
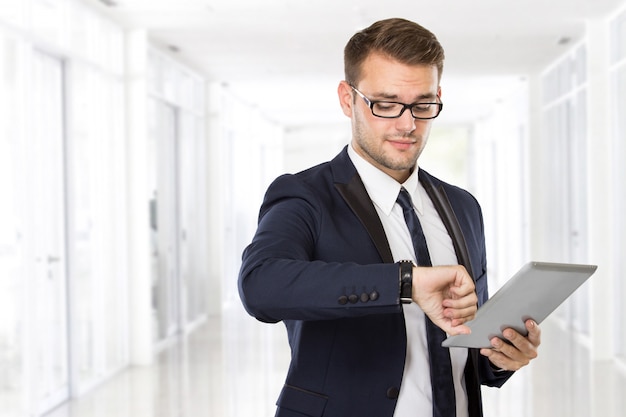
x=216 y=192
x=600 y=187
x=537 y=161
x=600 y=205
x=140 y=311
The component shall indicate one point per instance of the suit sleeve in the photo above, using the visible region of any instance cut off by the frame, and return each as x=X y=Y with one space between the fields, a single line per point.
x=281 y=277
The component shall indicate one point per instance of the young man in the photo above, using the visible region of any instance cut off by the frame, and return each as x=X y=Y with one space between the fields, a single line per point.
x=335 y=255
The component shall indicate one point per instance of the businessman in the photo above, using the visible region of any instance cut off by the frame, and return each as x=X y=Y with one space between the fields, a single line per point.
x=369 y=260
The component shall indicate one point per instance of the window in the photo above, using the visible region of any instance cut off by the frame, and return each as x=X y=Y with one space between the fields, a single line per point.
x=565 y=141
x=618 y=104
x=178 y=205
x=63 y=176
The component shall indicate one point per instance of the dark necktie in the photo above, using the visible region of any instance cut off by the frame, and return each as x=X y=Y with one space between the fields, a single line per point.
x=444 y=403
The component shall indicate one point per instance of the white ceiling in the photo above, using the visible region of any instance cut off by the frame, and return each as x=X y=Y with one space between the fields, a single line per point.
x=285 y=56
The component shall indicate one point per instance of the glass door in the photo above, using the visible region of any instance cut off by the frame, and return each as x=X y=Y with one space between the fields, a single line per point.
x=95 y=166
x=190 y=222
x=178 y=205
x=48 y=330
x=12 y=285
x=164 y=220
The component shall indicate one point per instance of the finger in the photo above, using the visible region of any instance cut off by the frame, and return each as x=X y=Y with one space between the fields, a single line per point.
x=461 y=276
x=508 y=356
x=451 y=327
x=466 y=313
x=513 y=357
x=498 y=359
x=534 y=332
x=469 y=297
x=452 y=330
x=463 y=283
x=462 y=320
x=455 y=299
x=523 y=349
x=492 y=355
x=467 y=301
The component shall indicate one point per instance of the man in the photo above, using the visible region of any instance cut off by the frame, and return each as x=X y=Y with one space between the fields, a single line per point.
x=331 y=254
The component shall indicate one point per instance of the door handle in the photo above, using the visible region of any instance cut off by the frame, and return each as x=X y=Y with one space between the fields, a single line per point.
x=53 y=259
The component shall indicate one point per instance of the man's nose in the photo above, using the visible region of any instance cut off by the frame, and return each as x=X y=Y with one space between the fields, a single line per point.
x=406 y=122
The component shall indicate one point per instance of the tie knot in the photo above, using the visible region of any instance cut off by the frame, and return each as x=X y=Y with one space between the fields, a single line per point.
x=404 y=200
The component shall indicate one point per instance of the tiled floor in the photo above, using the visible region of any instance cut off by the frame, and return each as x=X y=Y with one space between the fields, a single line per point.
x=234 y=366
x=228 y=367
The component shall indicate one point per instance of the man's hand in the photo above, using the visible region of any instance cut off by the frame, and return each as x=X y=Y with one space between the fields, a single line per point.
x=520 y=351
x=446 y=295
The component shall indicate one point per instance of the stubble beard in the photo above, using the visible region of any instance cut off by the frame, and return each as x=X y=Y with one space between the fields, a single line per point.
x=374 y=150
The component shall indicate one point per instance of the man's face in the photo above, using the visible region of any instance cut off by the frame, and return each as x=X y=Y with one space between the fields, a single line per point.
x=391 y=145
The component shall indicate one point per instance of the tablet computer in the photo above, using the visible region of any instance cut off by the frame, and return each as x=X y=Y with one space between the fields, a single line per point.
x=534 y=292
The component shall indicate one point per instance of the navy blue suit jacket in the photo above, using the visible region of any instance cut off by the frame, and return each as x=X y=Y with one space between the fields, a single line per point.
x=320 y=262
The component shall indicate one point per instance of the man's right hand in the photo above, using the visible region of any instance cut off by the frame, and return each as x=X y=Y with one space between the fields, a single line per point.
x=447 y=296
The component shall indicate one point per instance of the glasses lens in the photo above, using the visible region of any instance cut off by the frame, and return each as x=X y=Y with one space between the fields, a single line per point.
x=425 y=110
x=390 y=109
x=387 y=109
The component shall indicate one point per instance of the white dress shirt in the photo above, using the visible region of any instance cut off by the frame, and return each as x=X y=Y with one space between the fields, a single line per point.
x=415 y=397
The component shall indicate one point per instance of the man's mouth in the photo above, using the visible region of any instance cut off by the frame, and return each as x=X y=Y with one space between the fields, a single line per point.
x=401 y=144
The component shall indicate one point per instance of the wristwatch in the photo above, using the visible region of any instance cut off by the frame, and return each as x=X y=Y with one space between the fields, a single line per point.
x=406 y=281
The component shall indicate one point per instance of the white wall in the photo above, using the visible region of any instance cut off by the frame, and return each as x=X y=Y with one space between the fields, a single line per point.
x=573 y=203
x=307 y=146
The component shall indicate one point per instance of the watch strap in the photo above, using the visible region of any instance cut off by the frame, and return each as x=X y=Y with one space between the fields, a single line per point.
x=406 y=282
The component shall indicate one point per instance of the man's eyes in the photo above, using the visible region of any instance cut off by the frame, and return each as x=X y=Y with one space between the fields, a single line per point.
x=422 y=107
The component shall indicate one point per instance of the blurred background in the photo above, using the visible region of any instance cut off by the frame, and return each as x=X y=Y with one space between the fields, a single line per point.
x=137 y=138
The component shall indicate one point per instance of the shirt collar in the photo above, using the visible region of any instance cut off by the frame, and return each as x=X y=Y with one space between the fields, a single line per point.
x=383 y=189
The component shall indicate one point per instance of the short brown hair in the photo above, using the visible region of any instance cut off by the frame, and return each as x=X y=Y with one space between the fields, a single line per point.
x=399 y=39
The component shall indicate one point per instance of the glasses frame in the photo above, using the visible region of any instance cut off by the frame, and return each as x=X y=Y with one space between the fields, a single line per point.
x=370 y=103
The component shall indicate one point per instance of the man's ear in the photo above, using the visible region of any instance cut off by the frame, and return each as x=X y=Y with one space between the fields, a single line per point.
x=344 y=91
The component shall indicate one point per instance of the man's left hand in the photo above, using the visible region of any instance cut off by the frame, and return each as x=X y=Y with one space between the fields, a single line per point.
x=520 y=351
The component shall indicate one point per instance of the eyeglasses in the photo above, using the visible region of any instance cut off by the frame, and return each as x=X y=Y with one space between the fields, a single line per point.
x=393 y=109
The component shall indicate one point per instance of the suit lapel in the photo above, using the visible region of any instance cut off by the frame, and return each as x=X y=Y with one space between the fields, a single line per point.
x=350 y=186
x=442 y=204
x=440 y=200
x=356 y=197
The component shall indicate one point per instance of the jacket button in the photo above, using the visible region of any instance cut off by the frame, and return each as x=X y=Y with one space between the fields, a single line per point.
x=374 y=295
x=392 y=393
x=353 y=298
x=365 y=297
x=343 y=300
